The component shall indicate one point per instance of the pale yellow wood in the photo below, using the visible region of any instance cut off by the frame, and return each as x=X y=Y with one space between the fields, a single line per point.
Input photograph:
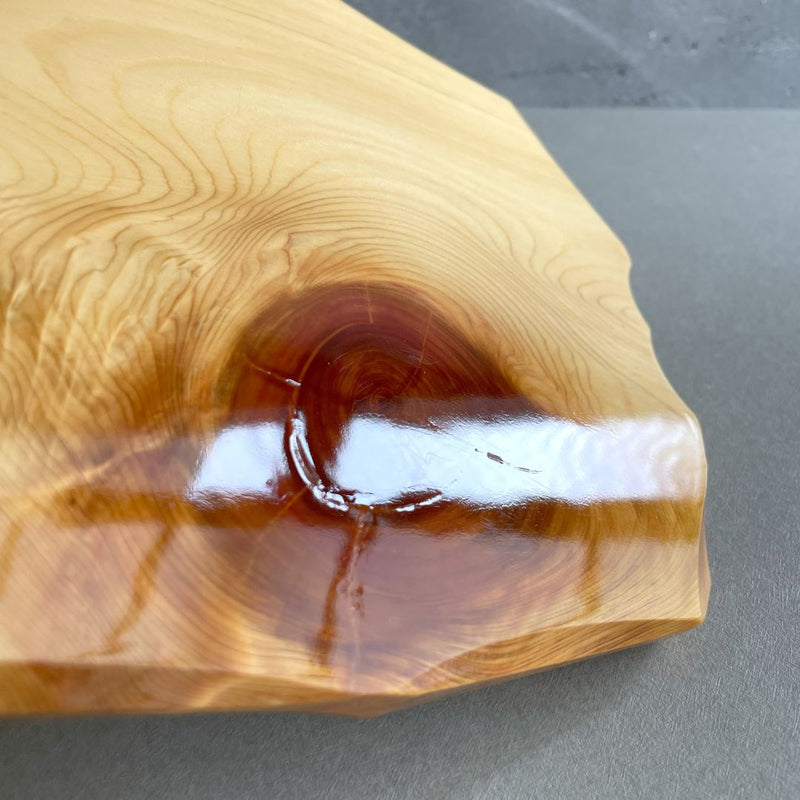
x=168 y=172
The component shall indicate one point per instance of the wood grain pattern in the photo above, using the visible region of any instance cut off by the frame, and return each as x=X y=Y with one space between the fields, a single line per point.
x=320 y=384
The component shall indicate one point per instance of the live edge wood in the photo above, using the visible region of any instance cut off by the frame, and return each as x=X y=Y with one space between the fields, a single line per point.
x=320 y=385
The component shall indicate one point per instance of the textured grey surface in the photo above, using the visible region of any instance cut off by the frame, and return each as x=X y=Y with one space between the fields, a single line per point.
x=617 y=52
x=708 y=205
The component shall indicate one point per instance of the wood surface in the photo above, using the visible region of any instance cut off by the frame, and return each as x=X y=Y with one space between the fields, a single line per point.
x=320 y=384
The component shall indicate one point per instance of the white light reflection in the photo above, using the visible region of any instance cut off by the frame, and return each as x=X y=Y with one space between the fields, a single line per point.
x=243 y=460
x=494 y=462
x=515 y=461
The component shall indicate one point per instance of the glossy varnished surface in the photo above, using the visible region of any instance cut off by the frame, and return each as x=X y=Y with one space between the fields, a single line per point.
x=309 y=402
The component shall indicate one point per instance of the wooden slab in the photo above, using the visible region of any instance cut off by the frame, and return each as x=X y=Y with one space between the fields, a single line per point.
x=320 y=384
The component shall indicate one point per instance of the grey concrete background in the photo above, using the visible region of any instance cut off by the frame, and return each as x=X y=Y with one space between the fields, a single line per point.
x=707 y=202
x=566 y=53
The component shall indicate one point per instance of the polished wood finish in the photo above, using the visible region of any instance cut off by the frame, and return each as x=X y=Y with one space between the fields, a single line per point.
x=321 y=386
